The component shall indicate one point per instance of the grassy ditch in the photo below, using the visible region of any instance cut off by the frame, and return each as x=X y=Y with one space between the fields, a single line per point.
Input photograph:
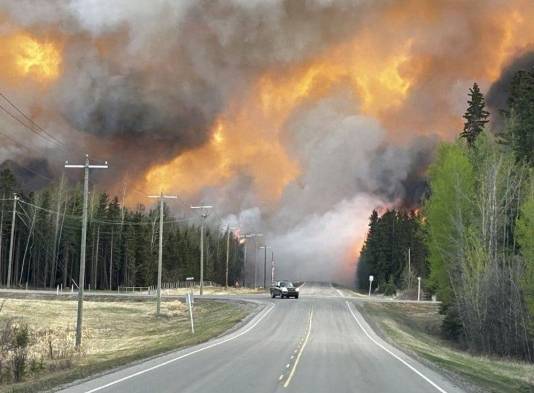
x=37 y=336
x=415 y=328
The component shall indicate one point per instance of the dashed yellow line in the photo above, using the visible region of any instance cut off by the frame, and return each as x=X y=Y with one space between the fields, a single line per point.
x=292 y=372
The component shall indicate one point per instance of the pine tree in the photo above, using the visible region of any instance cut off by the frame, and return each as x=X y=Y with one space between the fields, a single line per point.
x=475 y=116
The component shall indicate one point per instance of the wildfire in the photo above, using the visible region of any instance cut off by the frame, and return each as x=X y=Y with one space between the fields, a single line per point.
x=25 y=56
x=246 y=139
x=376 y=78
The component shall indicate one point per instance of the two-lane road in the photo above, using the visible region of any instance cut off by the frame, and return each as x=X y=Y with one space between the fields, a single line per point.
x=318 y=343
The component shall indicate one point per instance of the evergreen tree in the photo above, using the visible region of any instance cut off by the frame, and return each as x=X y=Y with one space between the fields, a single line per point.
x=8 y=183
x=475 y=117
x=385 y=251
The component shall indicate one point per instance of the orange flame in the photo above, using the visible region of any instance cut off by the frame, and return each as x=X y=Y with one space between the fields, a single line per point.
x=25 y=56
x=246 y=139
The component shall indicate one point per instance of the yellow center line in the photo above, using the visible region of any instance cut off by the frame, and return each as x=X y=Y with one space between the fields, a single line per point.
x=288 y=380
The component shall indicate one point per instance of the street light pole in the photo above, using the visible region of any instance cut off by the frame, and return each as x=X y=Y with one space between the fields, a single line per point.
x=245 y=237
x=409 y=269
x=160 y=251
x=203 y=217
x=227 y=254
x=265 y=268
x=81 y=283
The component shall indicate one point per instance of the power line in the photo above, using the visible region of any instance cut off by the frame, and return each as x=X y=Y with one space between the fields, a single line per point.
x=99 y=221
x=24 y=124
x=29 y=119
x=36 y=128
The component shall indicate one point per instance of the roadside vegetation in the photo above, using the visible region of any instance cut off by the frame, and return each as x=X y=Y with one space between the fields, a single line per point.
x=416 y=329
x=37 y=336
x=215 y=290
x=472 y=242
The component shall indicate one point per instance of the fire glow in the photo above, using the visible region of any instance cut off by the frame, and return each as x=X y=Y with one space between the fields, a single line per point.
x=291 y=108
x=28 y=57
x=246 y=139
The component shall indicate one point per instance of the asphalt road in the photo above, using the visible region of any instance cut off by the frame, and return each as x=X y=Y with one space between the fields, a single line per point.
x=318 y=343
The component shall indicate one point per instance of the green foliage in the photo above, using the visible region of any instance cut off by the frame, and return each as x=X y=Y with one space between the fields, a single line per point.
x=389 y=288
x=471 y=216
x=525 y=239
x=448 y=213
x=451 y=327
x=22 y=337
x=19 y=351
x=475 y=117
x=525 y=230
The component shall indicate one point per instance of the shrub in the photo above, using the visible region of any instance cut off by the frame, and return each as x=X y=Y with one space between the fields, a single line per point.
x=389 y=288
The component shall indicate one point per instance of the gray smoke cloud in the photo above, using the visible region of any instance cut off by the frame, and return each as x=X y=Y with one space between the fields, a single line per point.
x=348 y=169
x=498 y=93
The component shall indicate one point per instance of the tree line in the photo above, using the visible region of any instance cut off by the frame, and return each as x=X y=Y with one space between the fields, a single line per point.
x=122 y=243
x=476 y=230
x=394 y=251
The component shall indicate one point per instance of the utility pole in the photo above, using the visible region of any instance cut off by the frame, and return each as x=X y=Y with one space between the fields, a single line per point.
x=81 y=282
x=409 y=268
x=10 y=262
x=160 y=253
x=245 y=263
x=265 y=265
x=272 y=266
x=203 y=217
x=227 y=254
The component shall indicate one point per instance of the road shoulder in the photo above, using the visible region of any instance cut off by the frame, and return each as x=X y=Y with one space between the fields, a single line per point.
x=124 y=333
x=414 y=330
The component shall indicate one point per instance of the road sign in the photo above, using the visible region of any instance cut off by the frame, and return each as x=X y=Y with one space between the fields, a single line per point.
x=371 y=278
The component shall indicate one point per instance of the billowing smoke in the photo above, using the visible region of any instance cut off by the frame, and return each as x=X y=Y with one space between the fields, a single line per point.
x=499 y=92
x=295 y=118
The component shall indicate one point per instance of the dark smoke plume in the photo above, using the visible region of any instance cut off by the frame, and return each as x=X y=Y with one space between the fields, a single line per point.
x=498 y=93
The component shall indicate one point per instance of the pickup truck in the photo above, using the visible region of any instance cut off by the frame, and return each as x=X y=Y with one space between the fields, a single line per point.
x=284 y=289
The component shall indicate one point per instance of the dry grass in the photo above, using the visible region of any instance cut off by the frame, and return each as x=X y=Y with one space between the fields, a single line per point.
x=415 y=328
x=214 y=291
x=114 y=333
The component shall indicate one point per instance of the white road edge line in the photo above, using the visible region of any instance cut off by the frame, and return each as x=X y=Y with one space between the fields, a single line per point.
x=392 y=354
x=338 y=291
x=182 y=356
x=288 y=380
